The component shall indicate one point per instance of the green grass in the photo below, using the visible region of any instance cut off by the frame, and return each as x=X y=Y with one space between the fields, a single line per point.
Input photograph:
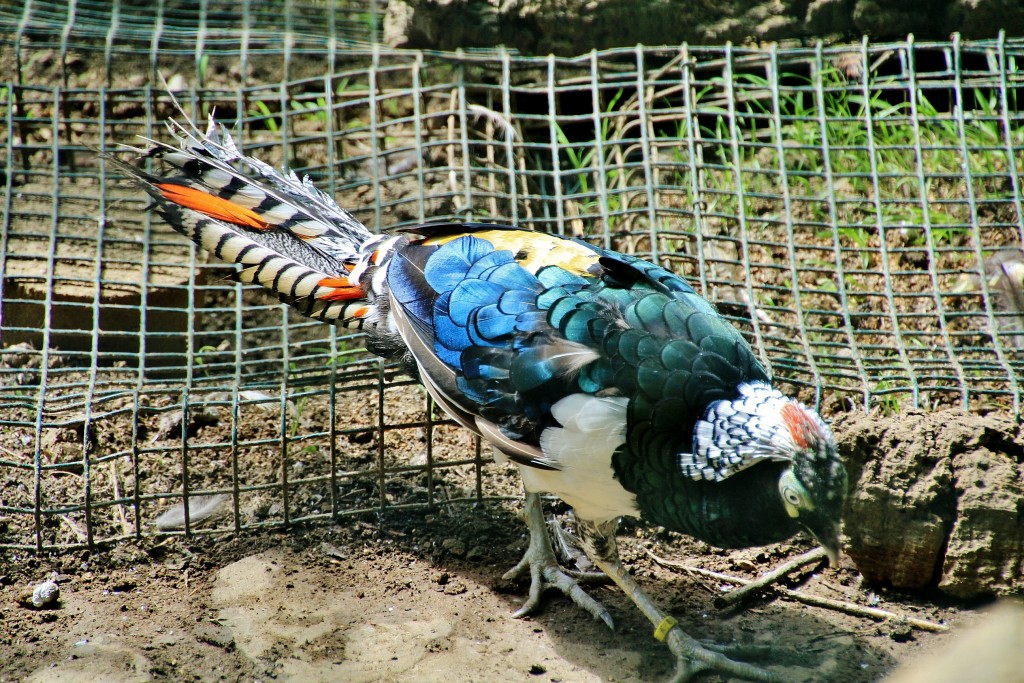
x=850 y=161
x=309 y=108
x=876 y=149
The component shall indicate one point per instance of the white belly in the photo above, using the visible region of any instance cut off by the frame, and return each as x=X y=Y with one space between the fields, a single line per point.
x=592 y=428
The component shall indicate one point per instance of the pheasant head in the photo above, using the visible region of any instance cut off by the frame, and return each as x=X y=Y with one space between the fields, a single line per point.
x=761 y=425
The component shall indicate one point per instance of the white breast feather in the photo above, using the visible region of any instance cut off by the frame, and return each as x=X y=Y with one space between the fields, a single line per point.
x=592 y=428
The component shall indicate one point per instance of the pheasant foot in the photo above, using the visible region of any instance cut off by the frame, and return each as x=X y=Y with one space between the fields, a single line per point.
x=569 y=552
x=545 y=572
x=692 y=658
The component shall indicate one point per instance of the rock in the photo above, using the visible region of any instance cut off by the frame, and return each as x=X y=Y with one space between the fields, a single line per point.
x=892 y=19
x=975 y=18
x=454 y=546
x=573 y=27
x=171 y=423
x=986 y=543
x=935 y=500
x=901 y=633
x=45 y=594
x=828 y=16
x=215 y=634
x=890 y=539
x=177 y=83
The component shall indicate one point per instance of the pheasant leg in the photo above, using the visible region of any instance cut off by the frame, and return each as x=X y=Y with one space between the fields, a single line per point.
x=545 y=571
x=692 y=658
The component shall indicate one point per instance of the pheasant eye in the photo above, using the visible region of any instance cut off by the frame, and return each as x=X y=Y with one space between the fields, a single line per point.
x=791 y=496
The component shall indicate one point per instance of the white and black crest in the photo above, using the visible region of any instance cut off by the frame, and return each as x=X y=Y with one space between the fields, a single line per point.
x=761 y=424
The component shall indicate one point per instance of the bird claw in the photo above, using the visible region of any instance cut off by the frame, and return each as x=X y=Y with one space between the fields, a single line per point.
x=545 y=571
x=567 y=548
x=547 y=574
x=692 y=658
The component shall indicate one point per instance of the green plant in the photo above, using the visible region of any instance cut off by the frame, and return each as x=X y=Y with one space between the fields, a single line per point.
x=261 y=110
x=580 y=158
x=296 y=421
x=203 y=356
x=313 y=110
x=202 y=67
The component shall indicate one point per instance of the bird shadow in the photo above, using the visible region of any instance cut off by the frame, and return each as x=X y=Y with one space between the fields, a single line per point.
x=797 y=643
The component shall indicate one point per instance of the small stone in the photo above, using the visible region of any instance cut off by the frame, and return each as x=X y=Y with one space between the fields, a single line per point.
x=745 y=565
x=42 y=595
x=454 y=546
x=177 y=83
x=901 y=633
x=334 y=551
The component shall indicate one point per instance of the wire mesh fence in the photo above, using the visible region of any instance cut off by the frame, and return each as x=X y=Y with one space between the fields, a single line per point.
x=205 y=31
x=855 y=210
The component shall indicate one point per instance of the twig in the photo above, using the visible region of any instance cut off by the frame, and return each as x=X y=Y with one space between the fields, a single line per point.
x=765 y=580
x=75 y=529
x=813 y=600
x=119 y=508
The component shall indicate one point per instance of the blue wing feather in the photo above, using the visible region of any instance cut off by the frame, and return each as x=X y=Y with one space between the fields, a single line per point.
x=449 y=265
x=553 y=276
x=492 y=323
x=470 y=295
x=488 y=261
x=409 y=288
x=450 y=337
x=517 y=301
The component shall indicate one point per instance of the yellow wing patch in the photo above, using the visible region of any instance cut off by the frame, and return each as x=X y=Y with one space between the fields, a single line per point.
x=534 y=250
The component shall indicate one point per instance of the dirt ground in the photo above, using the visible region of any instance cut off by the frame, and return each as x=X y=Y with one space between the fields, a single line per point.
x=414 y=595
x=418 y=596
x=412 y=599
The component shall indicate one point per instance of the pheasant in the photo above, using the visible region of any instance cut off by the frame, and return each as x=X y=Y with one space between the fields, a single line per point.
x=606 y=379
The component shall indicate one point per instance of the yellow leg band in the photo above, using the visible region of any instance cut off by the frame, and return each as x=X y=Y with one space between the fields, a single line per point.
x=666 y=625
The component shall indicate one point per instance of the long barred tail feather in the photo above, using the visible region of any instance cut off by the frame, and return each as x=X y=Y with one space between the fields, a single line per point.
x=283 y=200
x=286 y=234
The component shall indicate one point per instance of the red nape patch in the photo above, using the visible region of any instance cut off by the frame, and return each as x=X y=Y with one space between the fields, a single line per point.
x=212 y=206
x=341 y=290
x=802 y=426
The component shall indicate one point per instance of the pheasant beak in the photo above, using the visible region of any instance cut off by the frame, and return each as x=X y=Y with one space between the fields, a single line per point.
x=826 y=532
x=832 y=553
